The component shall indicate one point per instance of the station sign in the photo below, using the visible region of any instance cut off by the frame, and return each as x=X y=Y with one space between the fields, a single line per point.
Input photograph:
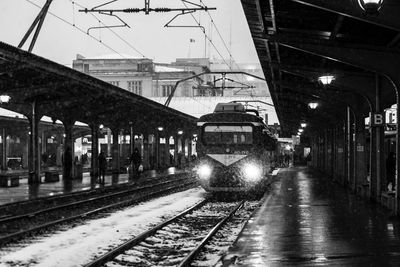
x=377 y=119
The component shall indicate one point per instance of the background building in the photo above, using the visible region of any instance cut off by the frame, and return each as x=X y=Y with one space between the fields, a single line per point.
x=196 y=96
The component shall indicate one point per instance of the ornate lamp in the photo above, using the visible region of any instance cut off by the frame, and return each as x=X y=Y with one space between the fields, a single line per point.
x=326 y=79
x=370 y=6
x=4 y=98
x=313 y=105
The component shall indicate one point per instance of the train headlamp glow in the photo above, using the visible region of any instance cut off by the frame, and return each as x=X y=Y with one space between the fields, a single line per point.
x=204 y=171
x=251 y=171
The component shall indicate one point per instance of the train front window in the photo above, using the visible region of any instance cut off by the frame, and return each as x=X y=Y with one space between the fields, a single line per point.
x=228 y=134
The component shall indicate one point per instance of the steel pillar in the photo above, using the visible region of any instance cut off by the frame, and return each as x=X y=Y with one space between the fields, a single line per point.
x=69 y=151
x=4 y=149
x=94 y=127
x=166 y=152
x=34 y=155
x=115 y=150
x=360 y=158
x=146 y=152
x=377 y=153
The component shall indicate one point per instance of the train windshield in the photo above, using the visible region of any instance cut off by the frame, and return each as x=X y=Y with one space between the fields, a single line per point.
x=228 y=134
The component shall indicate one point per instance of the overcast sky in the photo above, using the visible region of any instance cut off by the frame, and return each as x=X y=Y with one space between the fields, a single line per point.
x=60 y=41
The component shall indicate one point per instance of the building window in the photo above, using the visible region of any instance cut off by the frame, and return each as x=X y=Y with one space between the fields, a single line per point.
x=116 y=83
x=166 y=90
x=86 y=68
x=135 y=87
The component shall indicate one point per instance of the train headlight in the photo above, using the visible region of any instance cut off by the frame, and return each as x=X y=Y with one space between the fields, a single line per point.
x=204 y=171
x=252 y=172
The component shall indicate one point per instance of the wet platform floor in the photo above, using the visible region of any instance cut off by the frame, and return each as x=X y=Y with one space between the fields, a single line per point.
x=307 y=220
x=26 y=191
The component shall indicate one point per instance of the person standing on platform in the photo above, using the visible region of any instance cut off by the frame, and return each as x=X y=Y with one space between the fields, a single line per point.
x=102 y=167
x=136 y=160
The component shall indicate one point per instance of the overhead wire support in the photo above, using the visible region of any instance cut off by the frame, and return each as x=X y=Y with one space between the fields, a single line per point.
x=147 y=9
x=109 y=26
x=38 y=22
x=104 y=12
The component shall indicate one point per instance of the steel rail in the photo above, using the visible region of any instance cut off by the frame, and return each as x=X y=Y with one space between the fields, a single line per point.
x=16 y=235
x=189 y=258
x=136 y=240
x=60 y=197
x=84 y=201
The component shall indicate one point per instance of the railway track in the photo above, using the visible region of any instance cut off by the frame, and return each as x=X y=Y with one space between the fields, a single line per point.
x=180 y=240
x=13 y=228
x=32 y=205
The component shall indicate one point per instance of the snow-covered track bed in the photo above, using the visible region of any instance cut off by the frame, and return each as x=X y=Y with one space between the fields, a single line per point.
x=31 y=205
x=183 y=239
x=49 y=219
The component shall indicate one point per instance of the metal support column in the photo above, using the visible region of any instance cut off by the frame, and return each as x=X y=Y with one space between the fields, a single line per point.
x=131 y=138
x=342 y=153
x=34 y=157
x=4 y=149
x=146 y=152
x=360 y=158
x=115 y=150
x=69 y=151
x=157 y=150
x=166 y=152
x=176 y=139
x=397 y=176
x=377 y=146
x=94 y=127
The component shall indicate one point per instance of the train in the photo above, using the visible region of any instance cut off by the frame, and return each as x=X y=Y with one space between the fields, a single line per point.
x=235 y=150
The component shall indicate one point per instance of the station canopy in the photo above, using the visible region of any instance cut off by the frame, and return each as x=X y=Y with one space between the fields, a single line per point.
x=65 y=94
x=299 y=41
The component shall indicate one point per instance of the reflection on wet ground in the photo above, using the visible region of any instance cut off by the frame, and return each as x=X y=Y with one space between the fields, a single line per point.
x=309 y=221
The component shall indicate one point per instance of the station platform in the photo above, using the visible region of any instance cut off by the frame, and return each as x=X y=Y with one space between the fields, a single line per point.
x=27 y=191
x=307 y=220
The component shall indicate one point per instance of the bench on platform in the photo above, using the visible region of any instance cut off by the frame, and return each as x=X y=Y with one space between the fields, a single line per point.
x=51 y=176
x=9 y=180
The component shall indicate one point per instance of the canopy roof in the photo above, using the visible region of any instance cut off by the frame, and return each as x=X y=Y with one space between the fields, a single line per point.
x=298 y=41
x=68 y=95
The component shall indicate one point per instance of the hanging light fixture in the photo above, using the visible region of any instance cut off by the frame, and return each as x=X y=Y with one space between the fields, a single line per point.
x=313 y=105
x=301 y=130
x=326 y=79
x=160 y=129
x=370 y=6
x=303 y=125
x=4 y=98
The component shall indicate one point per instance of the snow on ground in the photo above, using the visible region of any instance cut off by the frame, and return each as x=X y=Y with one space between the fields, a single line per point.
x=78 y=245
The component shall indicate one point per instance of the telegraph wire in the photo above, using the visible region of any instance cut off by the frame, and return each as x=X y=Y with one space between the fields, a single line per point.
x=209 y=39
x=220 y=36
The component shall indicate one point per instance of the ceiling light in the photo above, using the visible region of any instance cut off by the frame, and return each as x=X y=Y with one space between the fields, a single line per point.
x=313 y=105
x=4 y=98
x=326 y=79
x=370 y=6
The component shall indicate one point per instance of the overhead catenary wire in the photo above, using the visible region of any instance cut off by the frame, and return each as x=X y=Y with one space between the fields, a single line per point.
x=220 y=36
x=79 y=29
x=111 y=30
x=208 y=38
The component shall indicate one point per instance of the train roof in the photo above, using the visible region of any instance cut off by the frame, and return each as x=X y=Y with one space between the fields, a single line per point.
x=231 y=112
